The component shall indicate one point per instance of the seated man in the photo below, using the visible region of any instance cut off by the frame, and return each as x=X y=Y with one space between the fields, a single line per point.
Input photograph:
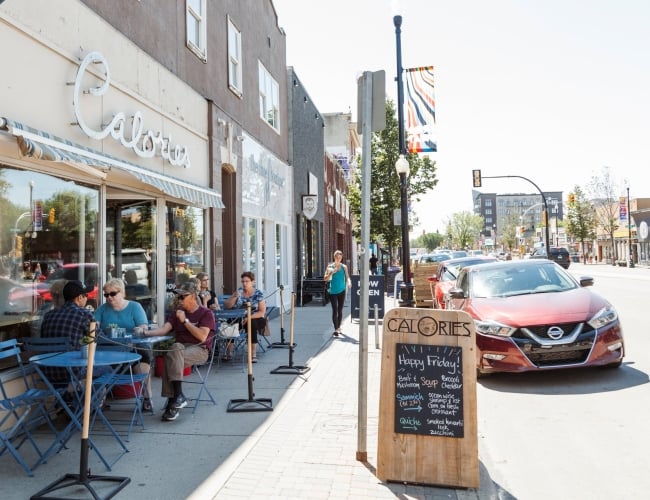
x=193 y=326
x=71 y=320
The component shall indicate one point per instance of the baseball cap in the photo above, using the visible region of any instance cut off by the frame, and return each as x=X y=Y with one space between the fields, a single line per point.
x=187 y=288
x=74 y=288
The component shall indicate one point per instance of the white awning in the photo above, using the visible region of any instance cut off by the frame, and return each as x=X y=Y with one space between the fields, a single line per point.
x=43 y=146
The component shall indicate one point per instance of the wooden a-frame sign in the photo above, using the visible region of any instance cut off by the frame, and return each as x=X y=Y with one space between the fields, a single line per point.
x=427 y=409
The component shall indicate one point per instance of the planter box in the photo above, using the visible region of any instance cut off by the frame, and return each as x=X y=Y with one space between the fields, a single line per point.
x=159 y=367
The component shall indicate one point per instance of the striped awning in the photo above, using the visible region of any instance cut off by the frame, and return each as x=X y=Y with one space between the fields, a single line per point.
x=43 y=146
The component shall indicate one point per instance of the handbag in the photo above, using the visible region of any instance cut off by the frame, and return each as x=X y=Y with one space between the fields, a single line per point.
x=229 y=331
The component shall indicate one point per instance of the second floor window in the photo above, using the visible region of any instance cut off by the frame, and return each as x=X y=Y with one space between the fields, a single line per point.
x=234 y=58
x=269 y=99
x=196 y=27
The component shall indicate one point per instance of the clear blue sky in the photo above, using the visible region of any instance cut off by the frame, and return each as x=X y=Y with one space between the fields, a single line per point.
x=552 y=90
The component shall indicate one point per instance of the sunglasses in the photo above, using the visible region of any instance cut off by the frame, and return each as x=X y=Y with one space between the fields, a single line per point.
x=110 y=294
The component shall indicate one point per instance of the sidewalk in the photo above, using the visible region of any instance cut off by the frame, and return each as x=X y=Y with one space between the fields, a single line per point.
x=305 y=448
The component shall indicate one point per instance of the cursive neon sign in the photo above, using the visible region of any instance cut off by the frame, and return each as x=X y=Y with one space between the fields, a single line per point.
x=144 y=143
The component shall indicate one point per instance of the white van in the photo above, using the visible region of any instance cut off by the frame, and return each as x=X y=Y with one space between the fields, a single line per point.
x=134 y=266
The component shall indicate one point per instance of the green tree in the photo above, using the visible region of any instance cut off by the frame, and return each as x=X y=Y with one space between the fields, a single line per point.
x=582 y=219
x=463 y=227
x=430 y=241
x=385 y=195
x=602 y=189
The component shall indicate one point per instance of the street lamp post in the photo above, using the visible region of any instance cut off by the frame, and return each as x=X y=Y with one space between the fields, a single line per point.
x=402 y=168
x=629 y=231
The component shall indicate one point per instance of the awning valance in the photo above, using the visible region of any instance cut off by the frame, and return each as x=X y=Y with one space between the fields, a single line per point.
x=43 y=146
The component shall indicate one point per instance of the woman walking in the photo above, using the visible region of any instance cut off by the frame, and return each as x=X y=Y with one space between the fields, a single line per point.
x=338 y=278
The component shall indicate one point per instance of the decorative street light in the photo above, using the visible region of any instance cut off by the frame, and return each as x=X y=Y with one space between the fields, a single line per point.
x=402 y=168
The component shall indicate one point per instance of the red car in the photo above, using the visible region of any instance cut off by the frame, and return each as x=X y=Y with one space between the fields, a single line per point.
x=532 y=315
x=445 y=277
x=87 y=273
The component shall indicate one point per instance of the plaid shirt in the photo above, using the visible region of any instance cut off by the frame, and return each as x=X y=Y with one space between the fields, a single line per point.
x=69 y=320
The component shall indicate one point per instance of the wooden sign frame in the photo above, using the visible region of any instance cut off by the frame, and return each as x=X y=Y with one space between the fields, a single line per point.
x=428 y=431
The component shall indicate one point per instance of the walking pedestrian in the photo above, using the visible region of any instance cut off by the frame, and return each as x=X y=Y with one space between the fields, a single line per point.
x=339 y=280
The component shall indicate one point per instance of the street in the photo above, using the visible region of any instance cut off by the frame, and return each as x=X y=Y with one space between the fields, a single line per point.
x=575 y=434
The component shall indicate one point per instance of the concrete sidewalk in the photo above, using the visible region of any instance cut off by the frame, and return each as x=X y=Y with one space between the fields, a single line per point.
x=304 y=448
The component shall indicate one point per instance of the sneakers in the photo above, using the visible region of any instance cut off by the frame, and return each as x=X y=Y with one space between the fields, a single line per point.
x=173 y=407
x=170 y=414
x=180 y=402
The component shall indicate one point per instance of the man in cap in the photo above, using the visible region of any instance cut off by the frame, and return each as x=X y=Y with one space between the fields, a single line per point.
x=193 y=326
x=72 y=319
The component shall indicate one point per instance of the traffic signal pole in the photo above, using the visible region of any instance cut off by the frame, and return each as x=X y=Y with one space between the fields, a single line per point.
x=477 y=177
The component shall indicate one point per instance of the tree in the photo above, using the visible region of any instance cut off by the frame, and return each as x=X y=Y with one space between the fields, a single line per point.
x=602 y=189
x=385 y=195
x=581 y=219
x=430 y=241
x=463 y=228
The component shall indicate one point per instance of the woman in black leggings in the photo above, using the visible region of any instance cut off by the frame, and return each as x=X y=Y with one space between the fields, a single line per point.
x=337 y=276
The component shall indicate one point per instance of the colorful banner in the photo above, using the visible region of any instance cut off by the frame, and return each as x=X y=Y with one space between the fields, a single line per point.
x=420 y=110
x=622 y=208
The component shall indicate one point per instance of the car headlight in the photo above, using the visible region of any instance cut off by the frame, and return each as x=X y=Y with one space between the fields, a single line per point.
x=493 y=328
x=603 y=317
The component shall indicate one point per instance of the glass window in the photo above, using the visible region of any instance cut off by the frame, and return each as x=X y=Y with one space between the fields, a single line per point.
x=269 y=98
x=48 y=231
x=234 y=58
x=196 y=27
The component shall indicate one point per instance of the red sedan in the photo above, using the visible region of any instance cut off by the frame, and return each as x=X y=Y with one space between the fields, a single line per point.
x=531 y=315
x=445 y=277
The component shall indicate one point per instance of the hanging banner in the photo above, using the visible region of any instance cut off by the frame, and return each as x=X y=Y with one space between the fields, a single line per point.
x=622 y=208
x=420 y=110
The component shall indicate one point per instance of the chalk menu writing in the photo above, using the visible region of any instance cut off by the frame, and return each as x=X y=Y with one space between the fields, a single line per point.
x=429 y=390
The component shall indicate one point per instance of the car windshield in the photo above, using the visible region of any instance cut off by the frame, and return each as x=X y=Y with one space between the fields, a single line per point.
x=506 y=282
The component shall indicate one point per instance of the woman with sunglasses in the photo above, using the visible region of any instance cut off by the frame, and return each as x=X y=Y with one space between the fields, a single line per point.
x=128 y=314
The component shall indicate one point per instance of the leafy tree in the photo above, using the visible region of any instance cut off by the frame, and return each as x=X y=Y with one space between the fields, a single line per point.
x=385 y=195
x=463 y=227
x=602 y=189
x=581 y=218
x=430 y=241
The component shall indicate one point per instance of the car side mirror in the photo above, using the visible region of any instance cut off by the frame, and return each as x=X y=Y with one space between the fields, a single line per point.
x=456 y=293
x=586 y=281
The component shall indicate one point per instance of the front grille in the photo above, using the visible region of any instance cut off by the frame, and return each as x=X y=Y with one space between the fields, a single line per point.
x=554 y=352
x=541 y=331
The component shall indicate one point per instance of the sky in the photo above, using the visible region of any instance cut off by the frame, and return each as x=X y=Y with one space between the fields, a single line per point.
x=551 y=90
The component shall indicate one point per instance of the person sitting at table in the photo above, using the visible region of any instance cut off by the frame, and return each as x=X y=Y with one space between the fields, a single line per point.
x=193 y=326
x=238 y=300
x=208 y=297
x=128 y=314
x=72 y=320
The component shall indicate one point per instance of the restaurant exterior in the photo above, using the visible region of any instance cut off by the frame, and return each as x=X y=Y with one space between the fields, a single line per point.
x=104 y=165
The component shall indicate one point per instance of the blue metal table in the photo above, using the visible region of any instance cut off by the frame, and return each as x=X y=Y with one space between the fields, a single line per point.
x=73 y=361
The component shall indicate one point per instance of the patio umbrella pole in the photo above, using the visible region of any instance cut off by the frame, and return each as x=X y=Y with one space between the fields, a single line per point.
x=290 y=369
x=84 y=478
x=282 y=342
x=250 y=404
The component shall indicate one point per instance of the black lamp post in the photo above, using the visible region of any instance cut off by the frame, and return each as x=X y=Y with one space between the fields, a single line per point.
x=629 y=230
x=402 y=168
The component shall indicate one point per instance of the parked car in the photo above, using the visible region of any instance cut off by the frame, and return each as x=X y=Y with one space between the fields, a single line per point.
x=134 y=266
x=457 y=254
x=532 y=315
x=556 y=254
x=86 y=273
x=433 y=257
x=445 y=277
x=17 y=299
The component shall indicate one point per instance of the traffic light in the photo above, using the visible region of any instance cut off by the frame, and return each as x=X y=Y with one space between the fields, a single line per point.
x=523 y=230
x=51 y=215
x=476 y=176
x=19 y=243
x=572 y=199
x=544 y=218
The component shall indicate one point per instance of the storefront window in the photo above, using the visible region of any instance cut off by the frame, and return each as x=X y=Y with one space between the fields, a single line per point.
x=48 y=231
